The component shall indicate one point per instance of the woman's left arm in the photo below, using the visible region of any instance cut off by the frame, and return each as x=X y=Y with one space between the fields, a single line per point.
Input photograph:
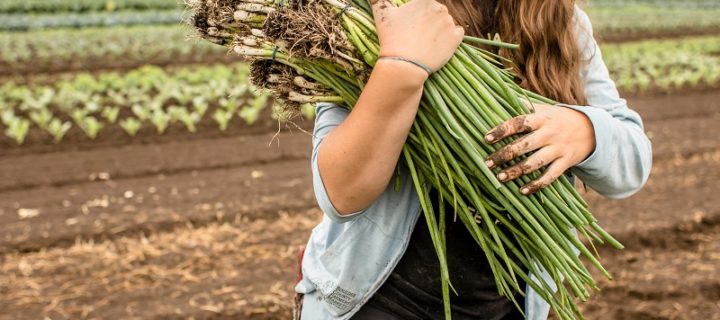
x=603 y=144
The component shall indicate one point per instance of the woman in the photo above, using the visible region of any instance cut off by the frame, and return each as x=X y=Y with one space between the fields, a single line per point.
x=368 y=258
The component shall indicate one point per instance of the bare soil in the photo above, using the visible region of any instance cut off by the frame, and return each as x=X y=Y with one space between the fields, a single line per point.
x=207 y=226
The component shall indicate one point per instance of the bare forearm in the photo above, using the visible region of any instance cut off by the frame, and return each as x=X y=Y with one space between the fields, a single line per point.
x=357 y=159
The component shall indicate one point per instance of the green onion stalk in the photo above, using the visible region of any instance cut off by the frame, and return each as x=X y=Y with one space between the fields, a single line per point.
x=446 y=149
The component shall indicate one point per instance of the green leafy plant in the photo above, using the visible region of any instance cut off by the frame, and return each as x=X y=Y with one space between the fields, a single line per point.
x=200 y=105
x=18 y=129
x=161 y=120
x=111 y=114
x=91 y=126
x=79 y=115
x=58 y=129
x=190 y=120
x=7 y=116
x=41 y=117
x=140 y=112
x=131 y=126
x=222 y=117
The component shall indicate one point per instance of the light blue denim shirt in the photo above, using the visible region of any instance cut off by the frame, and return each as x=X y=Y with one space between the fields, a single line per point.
x=348 y=257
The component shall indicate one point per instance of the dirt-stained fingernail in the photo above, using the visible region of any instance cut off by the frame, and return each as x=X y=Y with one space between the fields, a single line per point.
x=489 y=137
x=525 y=191
x=502 y=176
x=489 y=163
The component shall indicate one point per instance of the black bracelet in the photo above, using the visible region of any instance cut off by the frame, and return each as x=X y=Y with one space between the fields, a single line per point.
x=399 y=58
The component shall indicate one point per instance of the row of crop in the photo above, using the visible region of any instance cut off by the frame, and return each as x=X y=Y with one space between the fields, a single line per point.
x=104 y=47
x=151 y=43
x=55 y=6
x=607 y=19
x=147 y=96
x=648 y=19
x=187 y=95
x=138 y=44
x=27 y=22
x=664 y=64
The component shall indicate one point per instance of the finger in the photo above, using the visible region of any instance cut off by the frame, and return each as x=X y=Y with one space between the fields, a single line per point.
x=537 y=160
x=519 y=124
x=553 y=172
x=525 y=144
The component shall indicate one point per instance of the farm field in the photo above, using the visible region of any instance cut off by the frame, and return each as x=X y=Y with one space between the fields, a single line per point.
x=142 y=177
x=40 y=109
x=209 y=227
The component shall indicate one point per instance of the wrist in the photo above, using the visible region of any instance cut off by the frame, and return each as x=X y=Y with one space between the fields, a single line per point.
x=409 y=76
x=410 y=61
x=586 y=131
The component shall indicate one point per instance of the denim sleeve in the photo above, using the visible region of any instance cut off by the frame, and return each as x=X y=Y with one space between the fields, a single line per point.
x=327 y=117
x=620 y=164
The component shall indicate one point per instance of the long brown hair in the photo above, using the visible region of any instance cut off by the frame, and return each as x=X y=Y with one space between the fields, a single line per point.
x=549 y=58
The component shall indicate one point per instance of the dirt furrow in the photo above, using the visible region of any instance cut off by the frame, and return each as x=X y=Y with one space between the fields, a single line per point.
x=678 y=191
x=45 y=217
x=676 y=278
x=683 y=137
x=136 y=161
x=693 y=103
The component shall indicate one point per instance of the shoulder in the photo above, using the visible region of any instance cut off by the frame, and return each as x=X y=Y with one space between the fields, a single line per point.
x=584 y=34
x=582 y=17
x=582 y=21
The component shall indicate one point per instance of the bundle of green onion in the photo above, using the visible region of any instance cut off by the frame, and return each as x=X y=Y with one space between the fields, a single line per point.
x=323 y=50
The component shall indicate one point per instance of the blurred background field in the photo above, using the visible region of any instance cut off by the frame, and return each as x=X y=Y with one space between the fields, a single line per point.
x=142 y=176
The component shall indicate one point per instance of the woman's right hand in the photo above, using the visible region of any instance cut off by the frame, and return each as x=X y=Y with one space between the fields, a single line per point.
x=421 y=30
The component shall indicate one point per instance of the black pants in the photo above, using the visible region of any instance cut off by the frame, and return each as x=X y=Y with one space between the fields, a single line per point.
x=371 y=313
x=368 y=312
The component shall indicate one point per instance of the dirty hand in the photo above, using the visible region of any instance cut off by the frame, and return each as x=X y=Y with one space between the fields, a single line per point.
x=561 y=138
x=422 y=31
